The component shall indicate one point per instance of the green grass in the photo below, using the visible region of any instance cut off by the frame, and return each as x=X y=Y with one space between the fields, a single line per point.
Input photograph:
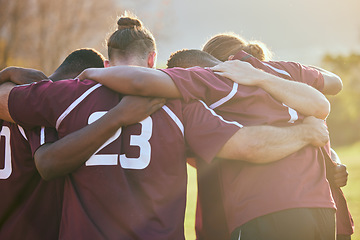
x=350 y=156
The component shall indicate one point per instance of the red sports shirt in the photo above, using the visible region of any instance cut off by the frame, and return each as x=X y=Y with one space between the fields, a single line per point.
x=134 y=187
x=249 y=190
x=30 y=207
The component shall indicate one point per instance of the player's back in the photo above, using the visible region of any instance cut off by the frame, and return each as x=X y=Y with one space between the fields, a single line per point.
x=30 y=207
x=293 y=182
x=134 y=187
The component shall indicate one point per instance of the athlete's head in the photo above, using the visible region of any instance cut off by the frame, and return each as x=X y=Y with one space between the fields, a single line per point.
x=131 y=44
x=189 y=58
x=78 y=61
x=222 y=46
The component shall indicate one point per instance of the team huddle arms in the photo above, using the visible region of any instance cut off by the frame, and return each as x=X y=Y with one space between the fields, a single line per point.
x=112 y=144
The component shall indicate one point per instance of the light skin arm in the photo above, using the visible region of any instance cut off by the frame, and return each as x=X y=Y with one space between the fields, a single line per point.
x=299 y=96
x=69 y=153
x=253 y=144
x=332 y=82
x=134 y=81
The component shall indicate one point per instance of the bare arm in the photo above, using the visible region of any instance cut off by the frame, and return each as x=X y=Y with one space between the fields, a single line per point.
x=69 y=153
x=332 y=82
x=253 y=144
x=5 y=90
x=299 y=96
x=339 y=175
x=134 y=81
x=20 y=75
x=8 y=77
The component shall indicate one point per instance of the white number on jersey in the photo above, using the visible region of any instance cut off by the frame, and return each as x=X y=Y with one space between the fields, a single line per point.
x=6 y=171
x=142 y=141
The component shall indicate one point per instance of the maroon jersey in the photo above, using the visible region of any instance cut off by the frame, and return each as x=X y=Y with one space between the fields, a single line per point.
x=250 y=190
x=134 y=186
x=30 y=208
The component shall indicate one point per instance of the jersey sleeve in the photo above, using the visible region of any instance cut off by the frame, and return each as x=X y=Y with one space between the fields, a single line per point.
x=41 y=103
x=199 y=84
x=303 y=74
x=205 y=131
x=39 y=136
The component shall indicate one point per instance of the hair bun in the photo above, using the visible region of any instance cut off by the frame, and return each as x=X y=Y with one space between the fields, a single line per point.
x=128 y=22
x=258 y=50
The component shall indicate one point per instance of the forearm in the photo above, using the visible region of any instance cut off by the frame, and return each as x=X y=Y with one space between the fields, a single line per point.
x=69 y=153
x=5 y=74
x=299 y=96
x=134 y=81
x=5 y=90
x=264 y=144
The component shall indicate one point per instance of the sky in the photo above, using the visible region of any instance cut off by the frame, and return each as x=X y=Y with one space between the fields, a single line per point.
x=301 y=31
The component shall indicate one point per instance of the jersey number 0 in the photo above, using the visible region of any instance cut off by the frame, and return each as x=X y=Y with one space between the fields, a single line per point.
x=5 y=153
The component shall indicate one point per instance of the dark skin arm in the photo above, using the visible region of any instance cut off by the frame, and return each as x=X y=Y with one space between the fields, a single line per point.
x=339 y=174
x=69 y=153
x=20 y=75
x=11 y=76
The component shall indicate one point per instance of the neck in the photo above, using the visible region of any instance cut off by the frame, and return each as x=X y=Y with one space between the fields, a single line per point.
x=56 y=76
x=132 y=61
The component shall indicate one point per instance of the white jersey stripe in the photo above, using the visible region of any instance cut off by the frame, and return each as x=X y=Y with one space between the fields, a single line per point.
x=221 y=118
x=42 y=135
x=175 y=118
x=293 y=114
x=75 y=103
x=227 y=98
x=22 y=131
x=278 y=70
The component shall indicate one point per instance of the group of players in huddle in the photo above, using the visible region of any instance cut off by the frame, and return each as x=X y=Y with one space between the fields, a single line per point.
x=98 y=150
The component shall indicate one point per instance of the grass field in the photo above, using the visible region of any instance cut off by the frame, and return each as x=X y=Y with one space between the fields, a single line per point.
x=350 y=156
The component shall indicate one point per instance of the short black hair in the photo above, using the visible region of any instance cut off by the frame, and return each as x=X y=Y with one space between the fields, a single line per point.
x=77 y=61
x=186 y=58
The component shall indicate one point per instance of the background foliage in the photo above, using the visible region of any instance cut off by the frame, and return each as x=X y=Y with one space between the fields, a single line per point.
x=344 y=119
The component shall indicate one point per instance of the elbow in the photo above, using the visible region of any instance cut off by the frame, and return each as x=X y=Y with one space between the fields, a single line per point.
x=323 y=109
x=338 y=86
x=333 y=85
x=43 y=166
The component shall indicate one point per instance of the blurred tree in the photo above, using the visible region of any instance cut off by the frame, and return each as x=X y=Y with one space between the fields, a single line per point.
x=344 y=119
x=40 y=33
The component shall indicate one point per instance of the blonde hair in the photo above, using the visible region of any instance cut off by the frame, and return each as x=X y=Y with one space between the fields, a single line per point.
x=224 y=45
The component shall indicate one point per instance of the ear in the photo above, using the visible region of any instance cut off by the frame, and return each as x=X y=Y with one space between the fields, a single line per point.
x=151 y=62
x=231 y=57
x=106 y=63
